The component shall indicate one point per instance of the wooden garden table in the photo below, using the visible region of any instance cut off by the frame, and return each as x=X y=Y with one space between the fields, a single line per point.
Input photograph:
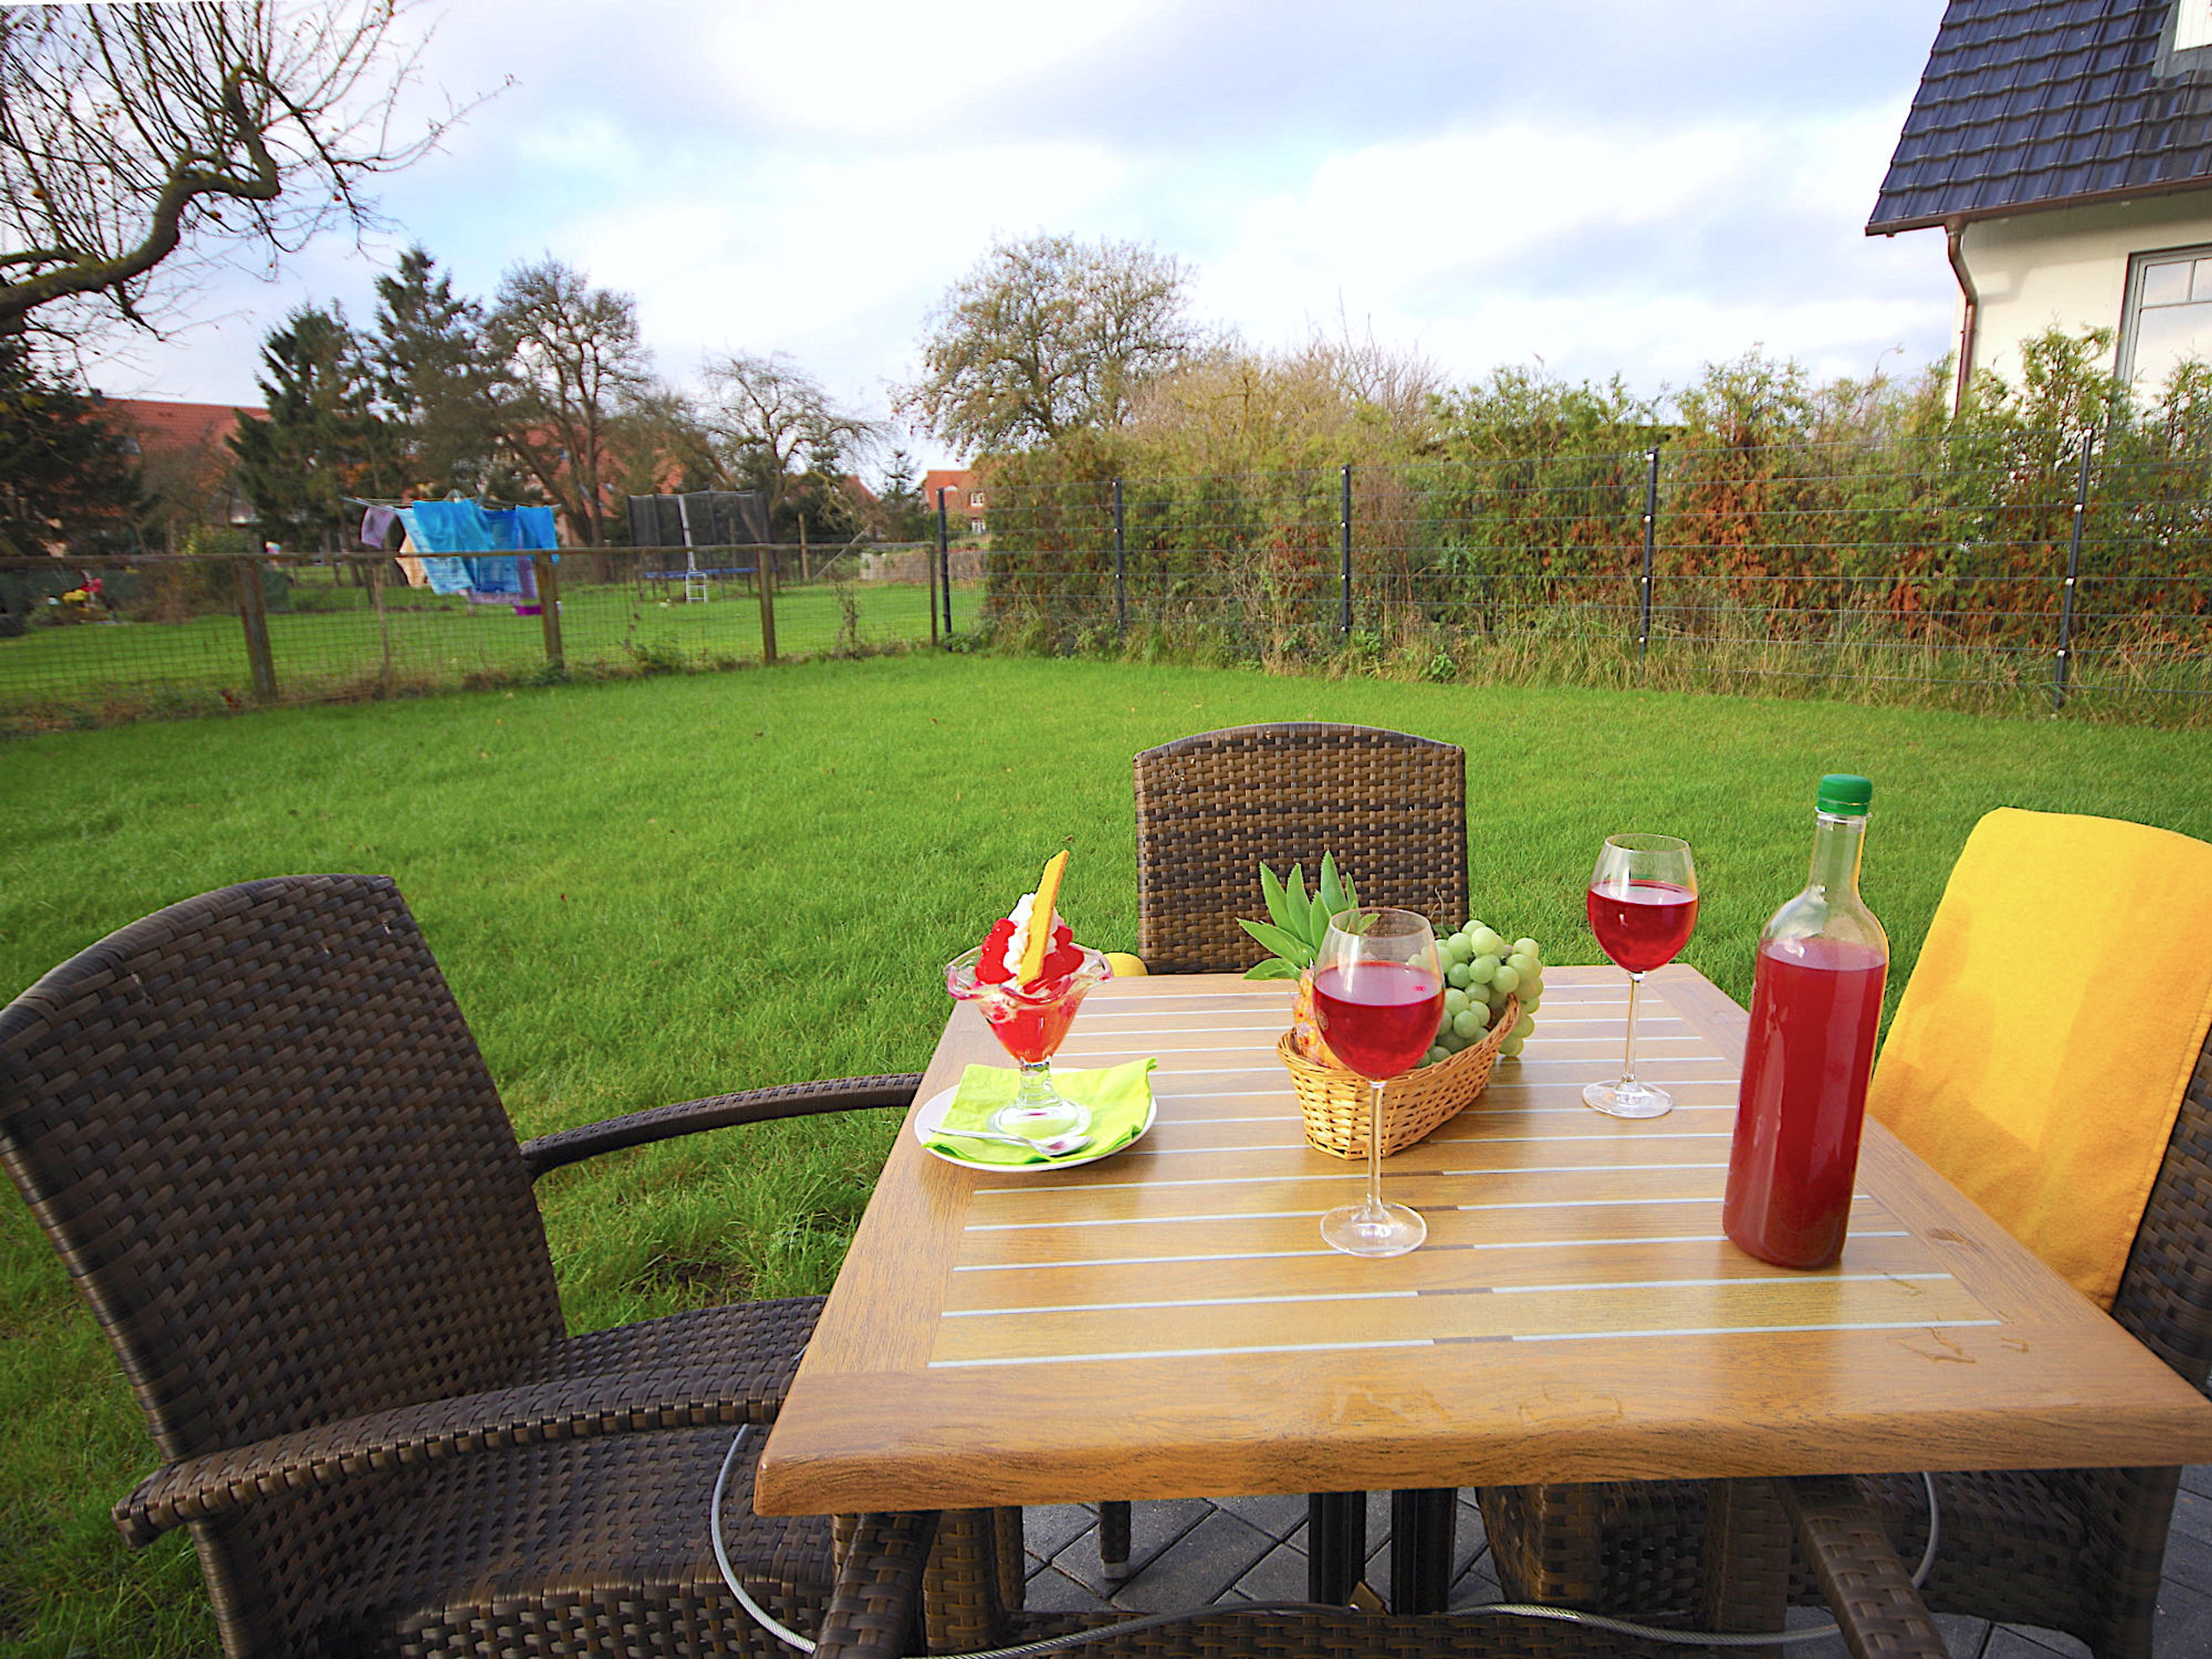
x=1168 y=1323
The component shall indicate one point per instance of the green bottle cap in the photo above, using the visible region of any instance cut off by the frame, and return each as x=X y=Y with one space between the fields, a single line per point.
x=1847 y=794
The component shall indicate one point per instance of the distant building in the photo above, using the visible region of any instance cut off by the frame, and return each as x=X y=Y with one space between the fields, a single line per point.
x=184 y=459
x=964 y=496
x=2065 y=147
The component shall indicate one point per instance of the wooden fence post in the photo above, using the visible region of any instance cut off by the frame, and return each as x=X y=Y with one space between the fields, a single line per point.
x=549 y=610
x=766 y=560
x=253 y=614
x=373 y=574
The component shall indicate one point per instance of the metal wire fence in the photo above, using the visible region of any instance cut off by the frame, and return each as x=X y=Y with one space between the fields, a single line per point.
x=2000 y=572
x=1977 y=575
x=88 y=641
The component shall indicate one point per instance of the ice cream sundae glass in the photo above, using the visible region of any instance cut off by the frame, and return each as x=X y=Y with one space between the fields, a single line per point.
x=1029 y=976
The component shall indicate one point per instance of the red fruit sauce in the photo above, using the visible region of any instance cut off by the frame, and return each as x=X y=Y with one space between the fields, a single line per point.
x=1062 y=959
x=1032 y=1031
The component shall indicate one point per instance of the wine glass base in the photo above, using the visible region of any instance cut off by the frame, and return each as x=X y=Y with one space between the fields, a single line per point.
x=1627 y=1099
x=1387 y=1230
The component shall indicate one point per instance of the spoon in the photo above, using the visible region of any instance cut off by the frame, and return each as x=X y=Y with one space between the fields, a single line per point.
x=1053 y=1146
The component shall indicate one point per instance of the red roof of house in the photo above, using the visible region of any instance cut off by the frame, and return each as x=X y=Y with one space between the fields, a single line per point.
x=168 y=428
x=949 y=478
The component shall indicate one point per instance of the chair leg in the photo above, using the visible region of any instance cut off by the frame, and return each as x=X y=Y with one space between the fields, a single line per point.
x=1114 y=1539
x=1869 y=1591
x=1336 y=1545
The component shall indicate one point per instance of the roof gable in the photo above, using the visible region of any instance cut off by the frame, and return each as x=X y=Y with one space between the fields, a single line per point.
x=2037 y=103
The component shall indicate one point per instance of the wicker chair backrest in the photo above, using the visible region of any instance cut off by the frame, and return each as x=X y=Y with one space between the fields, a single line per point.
x=1211 y=809
x=258 y=1130
x=2164 y=1298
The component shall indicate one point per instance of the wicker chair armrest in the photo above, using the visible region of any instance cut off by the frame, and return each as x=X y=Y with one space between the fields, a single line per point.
x=573 y=1408
x=1867 y=1586
x=842 y=1094
x=875 y=1613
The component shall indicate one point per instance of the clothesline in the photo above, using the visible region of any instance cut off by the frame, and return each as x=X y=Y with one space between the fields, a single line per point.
x=484 y=501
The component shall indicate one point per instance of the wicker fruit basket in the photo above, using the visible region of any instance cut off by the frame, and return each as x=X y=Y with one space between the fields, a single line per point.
x=1334 y=1101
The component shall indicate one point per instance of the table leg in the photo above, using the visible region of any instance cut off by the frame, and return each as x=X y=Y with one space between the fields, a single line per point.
x=1114 y=1539
x=1336 y=1545
x=1421 y=1527
x=1747 y=1574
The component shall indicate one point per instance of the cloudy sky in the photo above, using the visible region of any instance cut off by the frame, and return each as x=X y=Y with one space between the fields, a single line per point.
x=1602 y=185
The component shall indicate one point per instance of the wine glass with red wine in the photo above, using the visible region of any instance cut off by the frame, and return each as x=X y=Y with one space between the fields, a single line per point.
x=1378 y=993
x=1642 y=904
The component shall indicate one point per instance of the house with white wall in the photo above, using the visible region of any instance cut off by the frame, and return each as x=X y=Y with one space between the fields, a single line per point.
x=2064 y=148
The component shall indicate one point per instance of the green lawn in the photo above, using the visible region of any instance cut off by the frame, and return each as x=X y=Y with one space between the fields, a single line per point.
x=669 y=887
x=439 y=642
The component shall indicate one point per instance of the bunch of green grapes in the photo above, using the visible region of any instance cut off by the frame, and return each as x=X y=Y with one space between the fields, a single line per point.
x=1481 y=972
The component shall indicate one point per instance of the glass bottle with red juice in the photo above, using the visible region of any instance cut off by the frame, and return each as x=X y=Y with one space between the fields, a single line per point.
x=1815 y=1005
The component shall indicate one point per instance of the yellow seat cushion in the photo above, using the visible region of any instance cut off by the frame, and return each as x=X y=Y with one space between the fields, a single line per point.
x=2040 y=1055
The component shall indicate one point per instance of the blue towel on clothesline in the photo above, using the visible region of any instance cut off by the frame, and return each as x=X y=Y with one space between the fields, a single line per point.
x=464 y=527
x=451 y=527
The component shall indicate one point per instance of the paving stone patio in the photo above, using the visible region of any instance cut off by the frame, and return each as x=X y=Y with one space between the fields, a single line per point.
x=1194 y=1552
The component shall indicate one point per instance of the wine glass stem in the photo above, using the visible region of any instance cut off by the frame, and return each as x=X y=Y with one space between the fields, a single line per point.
x=1375 y=1151
x=1628 y=1060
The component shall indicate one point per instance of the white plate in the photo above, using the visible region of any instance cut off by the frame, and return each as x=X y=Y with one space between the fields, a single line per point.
x=931 y=1115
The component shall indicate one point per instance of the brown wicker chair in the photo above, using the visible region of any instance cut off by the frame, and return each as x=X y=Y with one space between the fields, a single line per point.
x=1211 y=808
x=2072 y=1550
x=258 y=1132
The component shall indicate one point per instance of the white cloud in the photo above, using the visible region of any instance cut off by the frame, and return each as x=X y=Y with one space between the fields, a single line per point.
x=1598 y=249
x=834 y=261
x=1589 y=184
x=876 y=69
x=1391 y=220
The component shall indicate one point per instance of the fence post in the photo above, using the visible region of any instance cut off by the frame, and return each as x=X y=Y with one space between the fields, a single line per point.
x=766 y=560
x=1344 y=524
x=1650 y=543
x=253 y=614
x=372 y=575
x=929 y=564
x=943 y=560
x=2061 y=671
x=1120 y=571
x=549 y=610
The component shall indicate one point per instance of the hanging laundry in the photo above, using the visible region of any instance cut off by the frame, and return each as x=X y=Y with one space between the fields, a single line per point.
x=462 y=527
x=376 y=525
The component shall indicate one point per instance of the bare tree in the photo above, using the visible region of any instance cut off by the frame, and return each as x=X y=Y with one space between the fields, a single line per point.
x=767 y=413
x=570 y=363
x=1048 y=335
x=138 y=137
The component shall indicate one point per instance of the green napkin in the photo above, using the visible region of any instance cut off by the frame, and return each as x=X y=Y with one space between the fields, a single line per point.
x=1119 y=1098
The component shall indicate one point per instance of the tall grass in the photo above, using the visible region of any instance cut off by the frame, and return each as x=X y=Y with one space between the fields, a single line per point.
x=651 y=890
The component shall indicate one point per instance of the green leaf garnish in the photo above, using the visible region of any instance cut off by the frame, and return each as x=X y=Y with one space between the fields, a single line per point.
x=1288 y=946
x=1278 y=904
x=1332 y=889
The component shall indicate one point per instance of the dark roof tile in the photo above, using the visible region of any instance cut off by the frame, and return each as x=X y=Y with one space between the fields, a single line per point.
x=2031 y=103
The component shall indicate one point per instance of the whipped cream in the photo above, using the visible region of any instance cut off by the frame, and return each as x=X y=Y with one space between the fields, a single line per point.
x=1018 y=941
